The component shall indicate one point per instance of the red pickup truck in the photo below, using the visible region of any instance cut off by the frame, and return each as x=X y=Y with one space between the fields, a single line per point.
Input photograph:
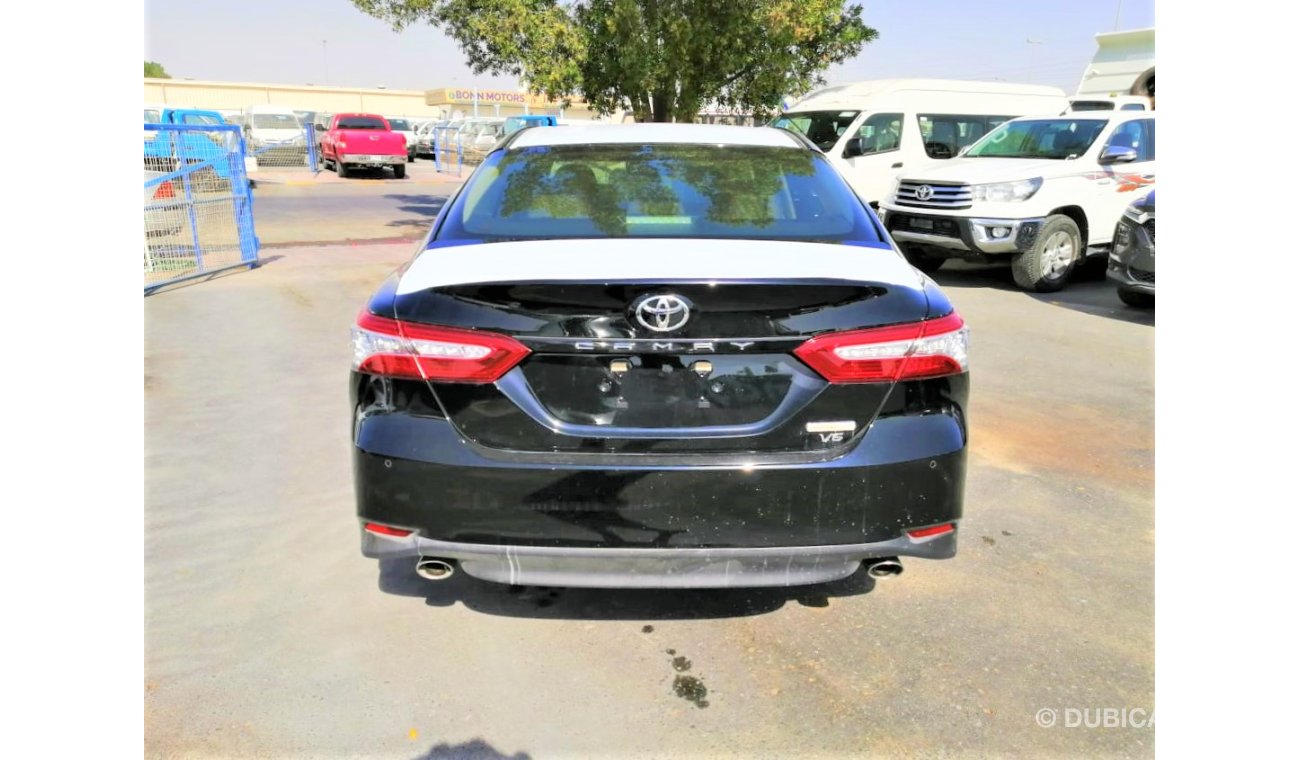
x=356 y=140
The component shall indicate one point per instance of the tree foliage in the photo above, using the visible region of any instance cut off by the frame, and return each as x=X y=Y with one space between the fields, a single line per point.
x=661 y=59
x=155 y=70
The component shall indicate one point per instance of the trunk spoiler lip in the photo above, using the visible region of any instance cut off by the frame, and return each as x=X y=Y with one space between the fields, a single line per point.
x=658 y=260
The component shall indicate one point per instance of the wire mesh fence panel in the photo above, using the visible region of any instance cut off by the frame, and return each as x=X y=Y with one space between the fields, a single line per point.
x=448 y=154
x=284 y=146
x=198 y=210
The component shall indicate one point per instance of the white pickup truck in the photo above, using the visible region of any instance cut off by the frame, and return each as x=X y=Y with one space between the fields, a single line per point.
x=1037 y=191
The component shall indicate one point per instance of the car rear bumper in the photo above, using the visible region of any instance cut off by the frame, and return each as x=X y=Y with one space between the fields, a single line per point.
x=647 y=520
x=656 y=568
x=365 y=159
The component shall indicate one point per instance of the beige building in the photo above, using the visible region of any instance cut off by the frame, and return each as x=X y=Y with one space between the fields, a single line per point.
x=236 y=96
x=444 y=102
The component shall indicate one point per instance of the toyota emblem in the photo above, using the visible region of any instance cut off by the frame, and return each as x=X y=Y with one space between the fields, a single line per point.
x=924 y=193
x=662 y=312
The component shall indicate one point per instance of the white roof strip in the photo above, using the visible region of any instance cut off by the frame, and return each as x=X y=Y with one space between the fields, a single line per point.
x=653 y=259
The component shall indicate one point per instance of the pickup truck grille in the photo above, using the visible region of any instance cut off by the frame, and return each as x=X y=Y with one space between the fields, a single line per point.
x=1150 y=226
x=938 y=194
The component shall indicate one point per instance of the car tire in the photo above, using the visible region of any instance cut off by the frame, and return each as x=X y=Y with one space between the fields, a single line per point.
x=922 y=261
x=341 y=168
x=1137 y=298
x=1046 y=267
x=399 y=171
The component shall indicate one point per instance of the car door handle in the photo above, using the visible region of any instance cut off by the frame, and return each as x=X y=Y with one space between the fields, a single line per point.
x=898 y=165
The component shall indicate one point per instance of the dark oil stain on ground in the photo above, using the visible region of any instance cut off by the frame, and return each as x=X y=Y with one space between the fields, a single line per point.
x=692 y=690
x=681 y=664
x=670 y=652
x=647 y=629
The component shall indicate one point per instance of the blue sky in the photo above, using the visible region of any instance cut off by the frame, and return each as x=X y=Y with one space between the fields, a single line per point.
x=280 y=41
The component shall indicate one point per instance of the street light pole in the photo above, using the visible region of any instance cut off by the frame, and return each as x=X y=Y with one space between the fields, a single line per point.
x=1118 y=7
x=1031 y=57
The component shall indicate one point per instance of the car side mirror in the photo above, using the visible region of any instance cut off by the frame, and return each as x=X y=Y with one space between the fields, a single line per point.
x=1116 y=154
x=853 y=147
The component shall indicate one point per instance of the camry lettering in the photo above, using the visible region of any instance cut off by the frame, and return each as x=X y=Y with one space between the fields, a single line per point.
x=659 y=346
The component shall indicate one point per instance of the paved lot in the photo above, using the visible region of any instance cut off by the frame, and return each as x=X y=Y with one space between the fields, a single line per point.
x=268 y=635
x=297 y=208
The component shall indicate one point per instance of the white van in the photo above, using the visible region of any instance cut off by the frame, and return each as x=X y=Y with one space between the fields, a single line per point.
x=873 y=130
x=272 y=127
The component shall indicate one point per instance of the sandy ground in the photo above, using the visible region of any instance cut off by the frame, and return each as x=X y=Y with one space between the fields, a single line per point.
x=268 y=635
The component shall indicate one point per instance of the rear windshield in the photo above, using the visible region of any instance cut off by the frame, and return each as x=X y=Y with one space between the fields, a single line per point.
x=822 y=127
x=152 y=116
x=361 y=122
x=1092 y=105
x=274 y=121
x=400 y=124
x=668 y=191
x=1039 y=138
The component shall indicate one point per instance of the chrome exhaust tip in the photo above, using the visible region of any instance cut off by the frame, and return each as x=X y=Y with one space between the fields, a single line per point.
x=434 y=569
x=883 y=567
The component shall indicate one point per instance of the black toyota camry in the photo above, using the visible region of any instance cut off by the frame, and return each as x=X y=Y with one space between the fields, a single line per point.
x=658 y=356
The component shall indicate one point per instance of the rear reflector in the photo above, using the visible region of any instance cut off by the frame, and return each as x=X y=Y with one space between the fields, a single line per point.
x=384 y=530
x=933 y=530
x=913 y=351
x=391 y=348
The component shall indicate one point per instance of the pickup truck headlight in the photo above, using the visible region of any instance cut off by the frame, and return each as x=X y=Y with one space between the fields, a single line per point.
x=998 y=192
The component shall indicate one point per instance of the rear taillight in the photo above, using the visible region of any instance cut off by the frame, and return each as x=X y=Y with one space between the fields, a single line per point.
x=933 y=348
x=164 y=192
x=388 y=347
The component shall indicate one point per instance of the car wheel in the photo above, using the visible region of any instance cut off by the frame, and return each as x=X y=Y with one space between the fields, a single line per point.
x=341 y=168
x=399 y=171
x=1137 y=298
x=922 y=261
x=1046 y=267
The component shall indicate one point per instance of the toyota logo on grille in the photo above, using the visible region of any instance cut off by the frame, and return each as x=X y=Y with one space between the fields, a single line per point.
x=662 y=312
x=924 y=193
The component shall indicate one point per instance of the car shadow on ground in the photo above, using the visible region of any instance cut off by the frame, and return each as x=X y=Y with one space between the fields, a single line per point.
x=471 y=750
x=373 y=173
x=1088 y=291
x=425 y=207
x=398 y=577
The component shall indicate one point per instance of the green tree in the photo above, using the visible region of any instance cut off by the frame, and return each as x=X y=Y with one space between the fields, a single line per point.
x=155 y=70
x=661 y=59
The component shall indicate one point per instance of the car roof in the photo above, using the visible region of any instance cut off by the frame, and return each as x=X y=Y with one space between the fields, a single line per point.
x=646 y=134
x=1094 y=115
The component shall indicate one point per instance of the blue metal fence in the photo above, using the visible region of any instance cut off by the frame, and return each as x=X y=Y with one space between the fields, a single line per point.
x=448 y=153
x=198 y=207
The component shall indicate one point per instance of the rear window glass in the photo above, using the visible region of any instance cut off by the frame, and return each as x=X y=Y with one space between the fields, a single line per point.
x=399 y=124
x=274 y=121
x=361 y=122
x=685 y=191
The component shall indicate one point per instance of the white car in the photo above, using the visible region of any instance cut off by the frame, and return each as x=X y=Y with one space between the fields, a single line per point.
x=275 y=128
x=407 y=129
x=1036 y=191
